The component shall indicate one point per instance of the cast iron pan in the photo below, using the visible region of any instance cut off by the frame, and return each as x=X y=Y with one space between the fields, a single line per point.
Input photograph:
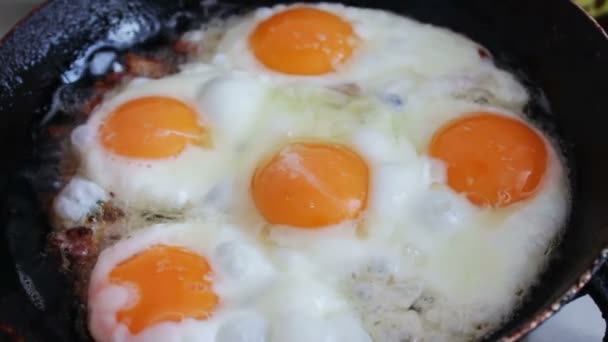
x=555 y=49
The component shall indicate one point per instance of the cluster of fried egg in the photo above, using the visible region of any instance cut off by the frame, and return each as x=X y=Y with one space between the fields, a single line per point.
x=341 y=174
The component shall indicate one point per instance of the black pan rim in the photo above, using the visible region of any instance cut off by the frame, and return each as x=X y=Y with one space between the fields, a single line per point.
x=592 y=270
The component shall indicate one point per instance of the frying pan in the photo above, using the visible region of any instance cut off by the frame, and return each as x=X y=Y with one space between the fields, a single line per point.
x=557 y=51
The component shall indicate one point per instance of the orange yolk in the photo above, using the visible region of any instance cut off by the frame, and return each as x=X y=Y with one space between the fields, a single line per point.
x=152 y=127
x=311 y=185
x=172 y=284
x=303 y=41
x=494 y=160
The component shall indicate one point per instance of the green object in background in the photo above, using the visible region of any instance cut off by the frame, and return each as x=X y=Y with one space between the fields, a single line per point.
x=596 y=8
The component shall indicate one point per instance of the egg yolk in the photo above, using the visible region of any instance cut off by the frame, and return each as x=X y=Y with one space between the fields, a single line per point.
x=303 y=41
x=311 y=185
x=152 y=127
x=171 y=284
x=494 y=160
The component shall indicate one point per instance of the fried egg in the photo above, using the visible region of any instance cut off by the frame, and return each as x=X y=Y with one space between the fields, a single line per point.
x=165 y=143
x=216 y=285
x=331 y=43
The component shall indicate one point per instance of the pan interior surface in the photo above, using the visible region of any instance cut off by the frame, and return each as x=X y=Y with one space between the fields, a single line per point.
x=561 y=57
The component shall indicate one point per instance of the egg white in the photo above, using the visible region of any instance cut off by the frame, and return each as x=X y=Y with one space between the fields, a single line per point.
x=295 y=114
x=416 y=231
x=421 y=262
x=77 y=200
